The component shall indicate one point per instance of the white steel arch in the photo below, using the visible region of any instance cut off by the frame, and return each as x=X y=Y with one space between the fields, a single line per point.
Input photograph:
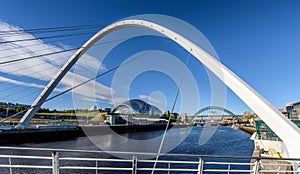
x=283 y=127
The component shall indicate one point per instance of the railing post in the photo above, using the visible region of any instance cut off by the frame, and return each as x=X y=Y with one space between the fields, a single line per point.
x=256 y=166
x=96 y=166
x=55 y=162
x=200 y=165
x=228 y=169
x=134 y=164
x=10 y=169
x=298 y=168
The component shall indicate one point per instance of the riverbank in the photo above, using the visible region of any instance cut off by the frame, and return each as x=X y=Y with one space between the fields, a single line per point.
x=249 y=130
x=36 y=135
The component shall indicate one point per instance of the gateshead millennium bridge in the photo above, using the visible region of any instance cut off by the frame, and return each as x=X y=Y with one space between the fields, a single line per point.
x=284 y=128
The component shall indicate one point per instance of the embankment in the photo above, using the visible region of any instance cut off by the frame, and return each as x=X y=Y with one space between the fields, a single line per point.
x=57 y=134
x=37 y=135
x=249 y=130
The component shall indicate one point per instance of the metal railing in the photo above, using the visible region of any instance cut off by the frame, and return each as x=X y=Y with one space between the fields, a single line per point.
x=42 y=160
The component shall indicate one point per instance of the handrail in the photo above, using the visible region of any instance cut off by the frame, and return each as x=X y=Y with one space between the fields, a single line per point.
x=185 y=163
x=144 y=153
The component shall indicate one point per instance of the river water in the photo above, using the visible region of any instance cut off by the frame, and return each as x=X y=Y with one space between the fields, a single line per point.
x=206 y=140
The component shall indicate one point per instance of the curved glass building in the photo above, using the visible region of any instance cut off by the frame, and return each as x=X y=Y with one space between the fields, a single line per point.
x=136 y=106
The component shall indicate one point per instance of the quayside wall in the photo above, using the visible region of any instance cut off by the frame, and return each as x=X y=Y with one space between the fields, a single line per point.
x=58 y=134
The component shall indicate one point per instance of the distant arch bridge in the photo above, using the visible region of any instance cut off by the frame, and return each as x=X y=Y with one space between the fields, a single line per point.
x=215 y=112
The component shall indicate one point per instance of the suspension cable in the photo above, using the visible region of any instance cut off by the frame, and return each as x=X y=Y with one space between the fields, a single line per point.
x=80 y=84
x=25 y=68
x=12 y=88
x=37 y=56
x=172 y=111
x=52 y=53
x=36 y=44
x=46 y=37
x=38 y=50
x=50 y=29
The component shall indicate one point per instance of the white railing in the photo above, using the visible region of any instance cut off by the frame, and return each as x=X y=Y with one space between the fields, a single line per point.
x=17 y=160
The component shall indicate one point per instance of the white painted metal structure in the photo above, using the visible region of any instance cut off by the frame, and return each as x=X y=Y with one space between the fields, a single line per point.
x=283 y=127
x=74 y=161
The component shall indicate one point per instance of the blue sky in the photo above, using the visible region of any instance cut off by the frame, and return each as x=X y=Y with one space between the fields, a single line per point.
x=258 y=40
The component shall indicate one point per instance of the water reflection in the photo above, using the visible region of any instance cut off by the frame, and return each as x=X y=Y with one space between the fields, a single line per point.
x=225 y=141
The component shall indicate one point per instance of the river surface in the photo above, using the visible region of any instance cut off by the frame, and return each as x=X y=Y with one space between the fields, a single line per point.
x=206 y=140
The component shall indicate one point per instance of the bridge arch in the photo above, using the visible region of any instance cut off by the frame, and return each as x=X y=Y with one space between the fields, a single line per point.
x=283 y=127
x=207 y=108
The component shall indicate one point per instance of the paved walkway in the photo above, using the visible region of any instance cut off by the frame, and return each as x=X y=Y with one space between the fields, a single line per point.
x=264 y=165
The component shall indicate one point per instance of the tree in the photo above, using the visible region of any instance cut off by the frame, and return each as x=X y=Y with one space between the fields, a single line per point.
x=19 y=108
x=43 y=110
x=167 y=115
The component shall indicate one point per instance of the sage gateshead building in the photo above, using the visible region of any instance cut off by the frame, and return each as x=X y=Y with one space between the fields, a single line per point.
x=135 y=111
x=137 y=107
